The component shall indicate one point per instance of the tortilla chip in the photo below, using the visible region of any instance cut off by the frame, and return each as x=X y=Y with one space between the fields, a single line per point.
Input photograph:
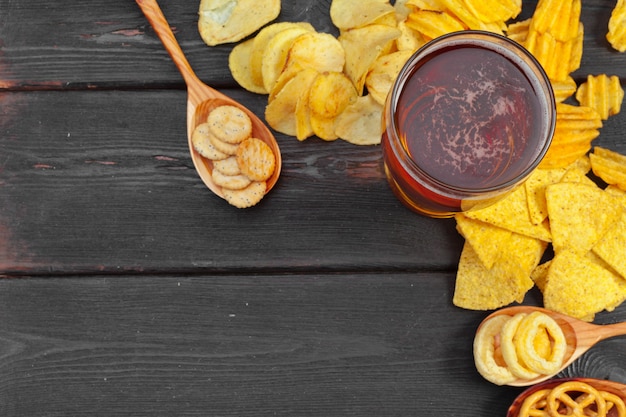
x=512 y=213
x=580 y=215
x=612 y=245
x=536 y=192
x=479 y=288
x=579 y=287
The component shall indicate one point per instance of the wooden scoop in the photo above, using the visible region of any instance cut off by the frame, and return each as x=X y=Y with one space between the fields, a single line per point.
x=202 y=99
x=599 y=384
x=580 y=336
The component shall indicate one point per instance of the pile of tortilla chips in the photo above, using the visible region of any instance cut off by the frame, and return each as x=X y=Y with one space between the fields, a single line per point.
x=559 y=207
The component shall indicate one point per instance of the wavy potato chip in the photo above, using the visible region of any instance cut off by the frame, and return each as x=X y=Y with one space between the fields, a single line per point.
x=432 y=23
x=225 y=21
x=609 y=166
x=616 y=34
x=560 y=18
x=563 y=89
x=494 y=11
x=602 y=93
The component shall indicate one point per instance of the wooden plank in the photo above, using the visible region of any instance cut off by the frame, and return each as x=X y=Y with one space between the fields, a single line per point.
x=102 y=181
x=367 y=345
x=109 y=44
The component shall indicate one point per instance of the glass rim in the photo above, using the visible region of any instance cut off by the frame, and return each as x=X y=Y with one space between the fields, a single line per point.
x=532 y=69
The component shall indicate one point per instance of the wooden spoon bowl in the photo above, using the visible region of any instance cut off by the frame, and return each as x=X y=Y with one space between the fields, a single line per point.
x=202 y=99
x=580 y=336
x=599 y=384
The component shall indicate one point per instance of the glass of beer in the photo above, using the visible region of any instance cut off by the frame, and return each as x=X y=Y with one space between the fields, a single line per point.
x=469 y=117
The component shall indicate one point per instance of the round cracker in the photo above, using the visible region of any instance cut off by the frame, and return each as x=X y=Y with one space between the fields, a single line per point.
x=224 y=147
x=201 y=141
x=228 y=166
x=230 y=124
x=256 y=159
x=231 y=182
x=246 y=197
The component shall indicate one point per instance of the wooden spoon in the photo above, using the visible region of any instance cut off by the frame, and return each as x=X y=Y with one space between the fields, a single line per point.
x=599 y=384
x=202 y=99
x=580 y=336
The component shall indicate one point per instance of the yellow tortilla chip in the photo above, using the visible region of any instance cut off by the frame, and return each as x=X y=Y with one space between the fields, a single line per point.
x=536 y=192
x=479 y=288
x=611 y=248
x=487 y=240
x=512 y=213
x=578 y=287
x=580 y=215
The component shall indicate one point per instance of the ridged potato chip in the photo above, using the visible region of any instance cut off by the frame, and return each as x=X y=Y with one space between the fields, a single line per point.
x=602 y=93
x=494 y=11
x=559 y=18
x=225 y=21
x=432 y=24
x=616 y=34
x=609 y=166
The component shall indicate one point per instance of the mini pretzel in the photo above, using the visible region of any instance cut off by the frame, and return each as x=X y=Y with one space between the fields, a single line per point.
x=580 y=406
x=535 y=405
x=613 y=400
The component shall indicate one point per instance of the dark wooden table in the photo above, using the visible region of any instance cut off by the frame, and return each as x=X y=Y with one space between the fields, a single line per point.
x=129 y=289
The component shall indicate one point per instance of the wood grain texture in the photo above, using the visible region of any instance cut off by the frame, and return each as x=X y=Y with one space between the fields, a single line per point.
x=345 y=345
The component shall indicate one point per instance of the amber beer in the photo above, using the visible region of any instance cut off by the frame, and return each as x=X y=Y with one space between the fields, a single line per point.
x=469 y=117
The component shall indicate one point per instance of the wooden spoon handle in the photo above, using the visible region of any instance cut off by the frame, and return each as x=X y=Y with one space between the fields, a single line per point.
x=153 y=13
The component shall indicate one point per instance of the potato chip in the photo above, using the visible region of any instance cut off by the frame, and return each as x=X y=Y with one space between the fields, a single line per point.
x=304 y=129
x=512 y=213
x=479 y=288
x=323 y=127
x=617 y=27
x=460 y=11
x=409 y=39
x=424 y=5
x=609 y=166
x=239 y=65
x=575 y=221
x=560 y=18
x=563 y=89
x=276 y=53
x=361 y=122
x=518 y=31
x=602 y=93
x=610 y=247
x=224 y=21
x=280 y=112
x=320 y=51
x=578 y=287
x=432 y=24
x=362 y=47
x=259 y=46
x=350 y=14
x=383 y=74
x=494 y=11
x=330 y=93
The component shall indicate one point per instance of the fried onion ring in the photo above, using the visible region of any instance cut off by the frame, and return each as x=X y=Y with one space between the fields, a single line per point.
x=527 y=332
